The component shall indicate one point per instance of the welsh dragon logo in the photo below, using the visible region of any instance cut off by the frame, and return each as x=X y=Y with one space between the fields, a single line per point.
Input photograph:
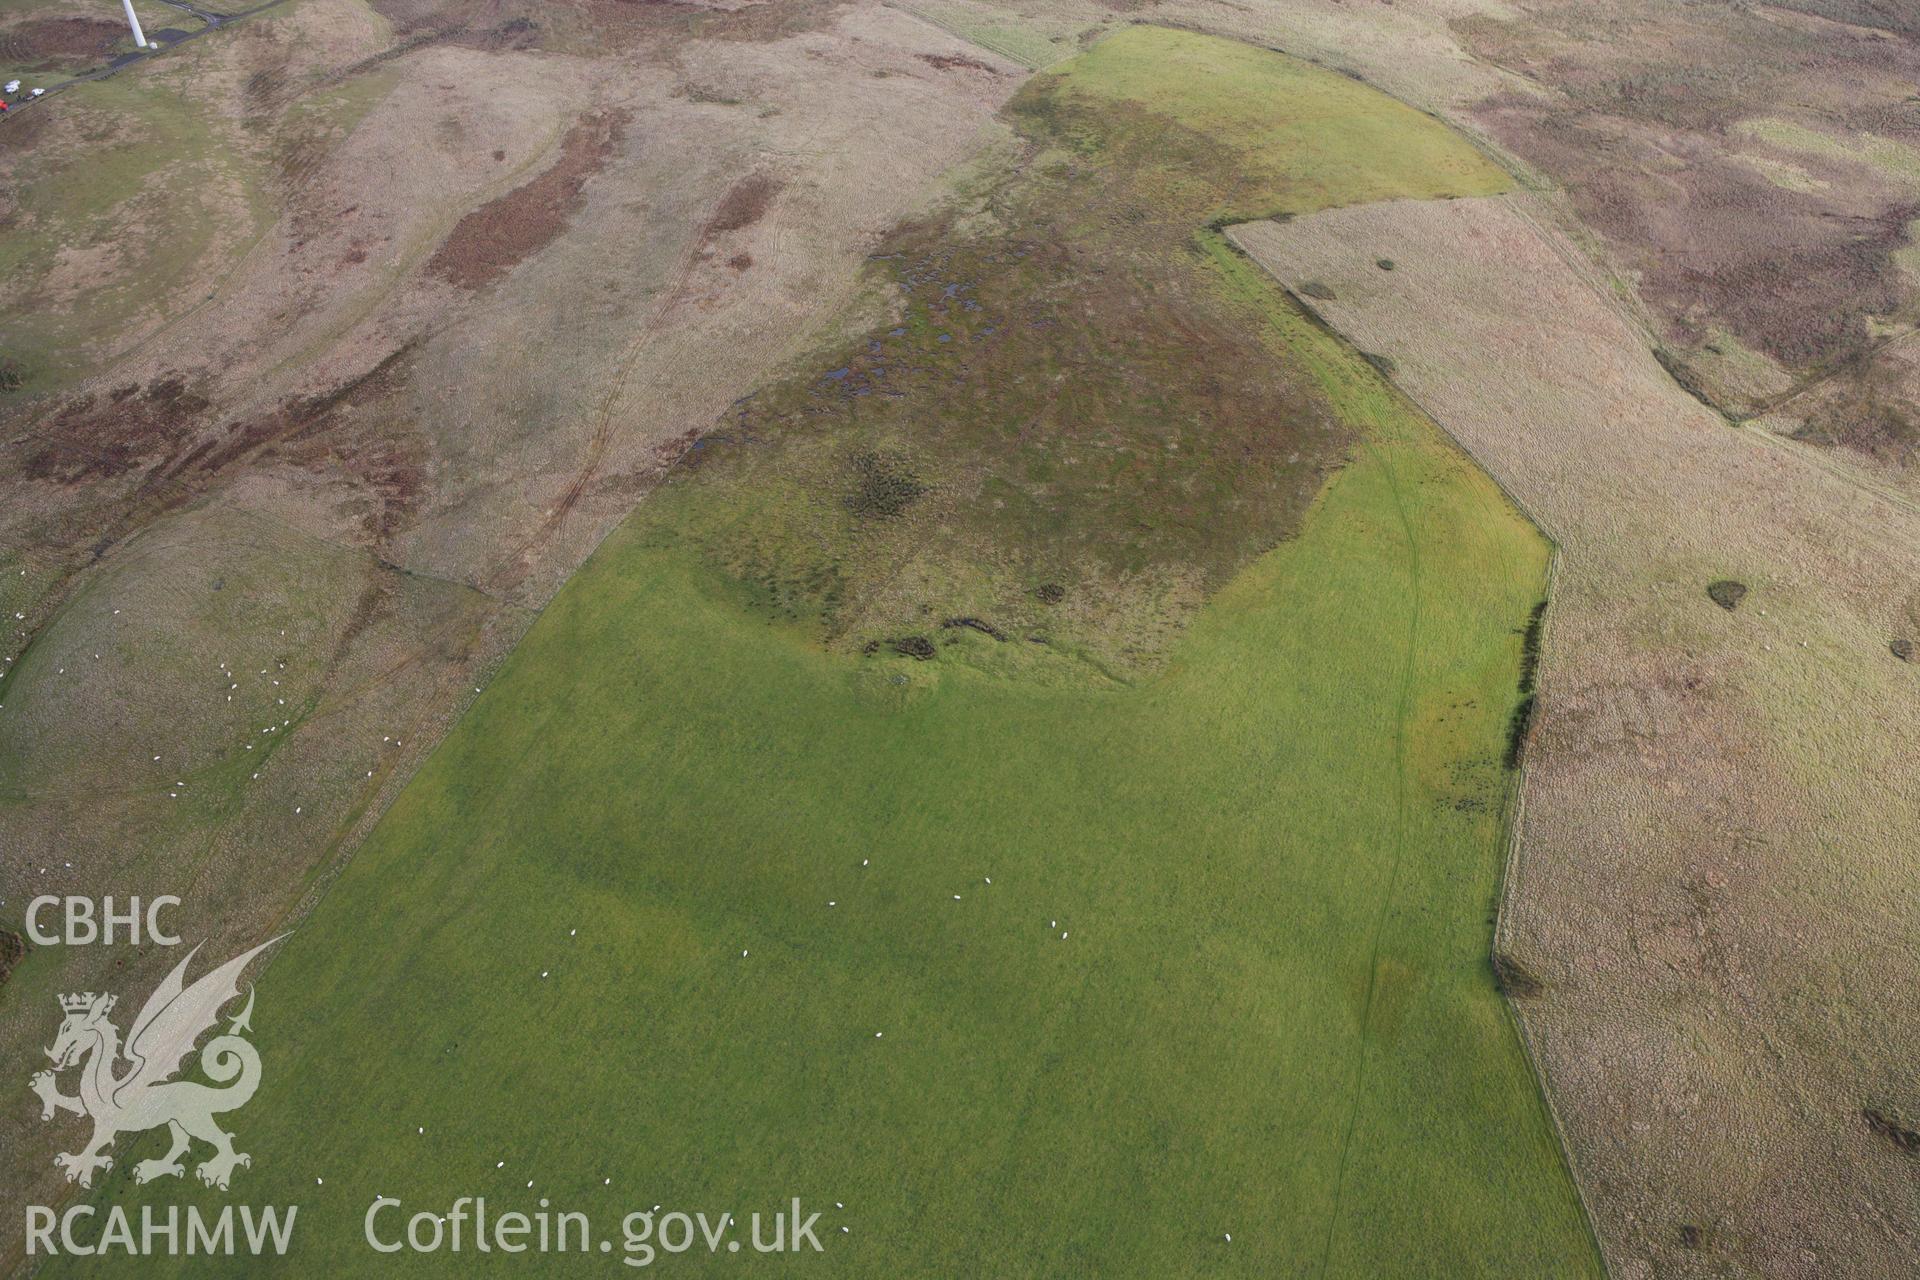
x=144 y=1096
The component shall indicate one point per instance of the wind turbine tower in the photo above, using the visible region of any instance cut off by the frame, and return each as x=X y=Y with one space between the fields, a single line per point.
x=133 y=20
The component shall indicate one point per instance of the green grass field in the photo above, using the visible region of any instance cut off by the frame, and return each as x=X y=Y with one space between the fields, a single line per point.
x=1229 y=975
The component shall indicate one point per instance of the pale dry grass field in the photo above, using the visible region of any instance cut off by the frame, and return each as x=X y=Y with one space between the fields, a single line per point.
x=1714 y=879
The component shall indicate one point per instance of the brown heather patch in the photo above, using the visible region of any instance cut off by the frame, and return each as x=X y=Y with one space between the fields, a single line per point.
x=744 y=204
x=1873 y=408
x=1784 y=271
x=98 y=437
x=499 y=235
x=1033 y=405
x=955 y=61
x=297 y=418
x=339 y=433
x=1640 y=122
x=13 y=949
x=58 y=40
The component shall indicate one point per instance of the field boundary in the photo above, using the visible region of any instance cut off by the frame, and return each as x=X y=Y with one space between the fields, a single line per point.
x=1503 y=924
